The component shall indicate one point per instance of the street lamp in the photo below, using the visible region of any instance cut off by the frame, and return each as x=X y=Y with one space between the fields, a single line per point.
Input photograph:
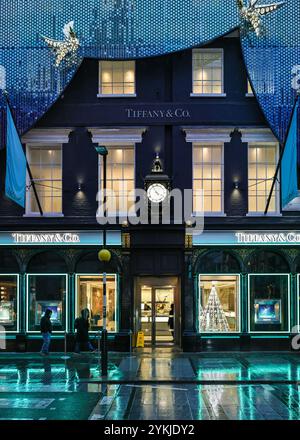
x=104 y=256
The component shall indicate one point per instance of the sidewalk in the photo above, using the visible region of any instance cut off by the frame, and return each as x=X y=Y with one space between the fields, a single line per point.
x=159 y=365
x=151 y=385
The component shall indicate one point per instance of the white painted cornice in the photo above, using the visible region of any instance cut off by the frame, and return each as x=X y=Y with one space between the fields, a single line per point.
x=117 y=136
x=210 y=134
x=47 y=136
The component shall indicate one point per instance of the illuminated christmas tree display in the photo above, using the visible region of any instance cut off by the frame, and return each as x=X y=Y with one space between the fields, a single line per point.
x=212 y=318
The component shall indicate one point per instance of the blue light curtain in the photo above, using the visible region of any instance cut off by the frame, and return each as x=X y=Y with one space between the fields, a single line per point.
x=289 y=181
x=15 y=179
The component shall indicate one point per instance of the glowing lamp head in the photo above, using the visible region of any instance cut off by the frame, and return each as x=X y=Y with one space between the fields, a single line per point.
x=104 y=255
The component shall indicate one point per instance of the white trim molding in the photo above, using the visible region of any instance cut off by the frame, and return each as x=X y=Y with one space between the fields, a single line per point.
x=209 y=134
x=47 y=136
x=117 y=136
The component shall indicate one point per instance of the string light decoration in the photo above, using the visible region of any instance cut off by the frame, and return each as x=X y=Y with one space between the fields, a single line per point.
x=123 y=30
x=66 y=49
x=252 y=13
x=212 y=318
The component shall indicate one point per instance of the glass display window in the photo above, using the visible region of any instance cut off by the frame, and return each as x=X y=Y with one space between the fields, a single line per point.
x=46 y=291
x=9 y=302
x=219 y=303
x=89 y=295
x=269 y=303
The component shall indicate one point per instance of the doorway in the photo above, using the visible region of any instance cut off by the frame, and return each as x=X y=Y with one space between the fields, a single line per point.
x=158 y=310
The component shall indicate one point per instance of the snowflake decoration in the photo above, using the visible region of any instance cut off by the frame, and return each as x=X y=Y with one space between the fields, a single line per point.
x=66 y=48
x=252 y=13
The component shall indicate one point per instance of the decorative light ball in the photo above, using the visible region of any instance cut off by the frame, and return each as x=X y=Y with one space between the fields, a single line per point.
x=104 y=255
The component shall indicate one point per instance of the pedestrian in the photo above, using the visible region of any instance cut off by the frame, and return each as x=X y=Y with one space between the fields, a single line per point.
x=171 y=320
x=46 y=330
x=82 y=326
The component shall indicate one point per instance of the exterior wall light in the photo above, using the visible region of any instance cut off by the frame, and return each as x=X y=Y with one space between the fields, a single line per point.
x=236 y=185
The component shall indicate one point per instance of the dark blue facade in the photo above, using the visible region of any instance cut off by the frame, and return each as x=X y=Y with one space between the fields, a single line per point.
x=164 y=108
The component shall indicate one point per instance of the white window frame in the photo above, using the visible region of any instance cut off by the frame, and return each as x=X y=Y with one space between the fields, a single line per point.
x=115 y=95
x=18 y=301
x=28 y=212
x=209 y=95
x=238 y=276
x=288 y=303
x=100 y=162
x=277 y=185
x=66 y=323
x=114 y=275
x=210 y=213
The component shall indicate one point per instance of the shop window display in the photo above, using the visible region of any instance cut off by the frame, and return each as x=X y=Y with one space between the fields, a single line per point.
x=9 y=302
x=90 y=296
x=269 y=303
x=46 y=292
x=219 y=304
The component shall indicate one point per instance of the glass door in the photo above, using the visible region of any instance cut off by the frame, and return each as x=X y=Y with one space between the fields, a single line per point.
x=157 y=314
x=164 y=314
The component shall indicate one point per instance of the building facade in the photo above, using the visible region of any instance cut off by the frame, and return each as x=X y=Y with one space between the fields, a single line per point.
x=235 y=286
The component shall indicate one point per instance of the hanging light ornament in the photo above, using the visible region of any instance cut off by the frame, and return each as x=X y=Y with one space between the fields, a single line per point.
x=252 y=13
x=67 y=48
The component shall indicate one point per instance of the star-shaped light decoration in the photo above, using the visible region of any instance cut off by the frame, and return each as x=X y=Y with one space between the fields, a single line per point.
x=252 y=13
x=66 y=48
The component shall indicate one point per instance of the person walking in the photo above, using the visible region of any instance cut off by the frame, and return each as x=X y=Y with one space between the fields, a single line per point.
x=82 y=326
x=171 y=320
x=46 y=330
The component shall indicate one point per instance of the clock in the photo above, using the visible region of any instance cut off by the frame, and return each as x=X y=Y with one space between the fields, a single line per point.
x=157 y=193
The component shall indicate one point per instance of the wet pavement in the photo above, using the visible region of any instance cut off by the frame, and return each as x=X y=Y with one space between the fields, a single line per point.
x=151 y=385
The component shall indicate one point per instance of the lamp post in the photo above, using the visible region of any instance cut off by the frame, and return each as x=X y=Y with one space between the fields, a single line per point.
x=104 y=256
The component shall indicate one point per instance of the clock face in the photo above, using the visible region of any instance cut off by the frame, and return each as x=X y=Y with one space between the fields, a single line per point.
x=157 y=193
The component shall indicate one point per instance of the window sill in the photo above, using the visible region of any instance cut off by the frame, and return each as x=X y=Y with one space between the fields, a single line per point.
x=262 y=214
x=208 y=95
x=209 y=214
x=48 y=215
x=132 y=95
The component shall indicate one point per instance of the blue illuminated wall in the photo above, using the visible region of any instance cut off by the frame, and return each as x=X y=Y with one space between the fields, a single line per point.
x=119 y=29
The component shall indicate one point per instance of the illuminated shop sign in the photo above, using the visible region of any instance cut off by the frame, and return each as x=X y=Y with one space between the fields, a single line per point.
x=46 y=238
x=223 y=238
x=60 y=238
x=168 y=113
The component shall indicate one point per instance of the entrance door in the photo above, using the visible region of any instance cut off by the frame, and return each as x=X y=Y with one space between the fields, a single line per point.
x=158 y=312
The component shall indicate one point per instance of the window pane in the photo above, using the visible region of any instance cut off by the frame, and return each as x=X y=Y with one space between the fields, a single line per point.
x=117 y=77
x=46 y=292
x=207 y=173
x=90 y=296
x=261 y=170
x=8 y=302
x=219 y=304
x=268 y=303
x=47 y=175
x=207 y=71
x=120 y=174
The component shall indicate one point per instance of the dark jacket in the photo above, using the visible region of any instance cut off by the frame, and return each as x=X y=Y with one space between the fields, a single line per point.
x=46 y=325
x=82 y=327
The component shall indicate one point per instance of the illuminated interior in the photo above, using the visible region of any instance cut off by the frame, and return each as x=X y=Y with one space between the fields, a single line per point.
x=208 y=178
x=120 y=178
x=90 y=296
x=8 y=301
x=207 y=71
x=262 y=162
x=227 y=289
x=46 y=167
x=117 y=77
